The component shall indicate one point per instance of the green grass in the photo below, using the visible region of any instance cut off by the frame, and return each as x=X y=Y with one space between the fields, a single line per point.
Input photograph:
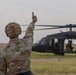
x=49 y=64
x=51 y=55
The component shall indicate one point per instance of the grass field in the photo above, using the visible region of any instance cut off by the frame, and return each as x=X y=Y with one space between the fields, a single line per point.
x=49 y=64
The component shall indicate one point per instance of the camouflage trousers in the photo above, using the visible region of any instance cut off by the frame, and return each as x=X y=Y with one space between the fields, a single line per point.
x=26 y=73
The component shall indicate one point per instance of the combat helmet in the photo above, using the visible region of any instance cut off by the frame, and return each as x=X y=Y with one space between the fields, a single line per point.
x=13 y=29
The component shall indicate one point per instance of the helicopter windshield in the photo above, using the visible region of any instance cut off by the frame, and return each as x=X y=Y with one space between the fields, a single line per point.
x=38 y=41
x=41 y=42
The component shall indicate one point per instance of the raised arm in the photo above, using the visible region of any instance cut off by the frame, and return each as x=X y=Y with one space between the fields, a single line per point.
x=30 y=28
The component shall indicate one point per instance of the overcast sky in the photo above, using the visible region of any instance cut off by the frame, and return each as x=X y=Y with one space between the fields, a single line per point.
x=48 y=12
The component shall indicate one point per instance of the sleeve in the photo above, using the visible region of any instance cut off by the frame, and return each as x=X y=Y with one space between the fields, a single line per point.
x=28 y=38
x=29 y=30
x=2 y=64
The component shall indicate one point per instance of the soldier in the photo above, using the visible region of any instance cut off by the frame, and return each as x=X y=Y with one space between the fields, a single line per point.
x=15 y=57
x=69 y=46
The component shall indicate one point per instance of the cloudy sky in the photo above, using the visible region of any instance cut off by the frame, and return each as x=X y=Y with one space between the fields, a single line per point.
x=58 y=12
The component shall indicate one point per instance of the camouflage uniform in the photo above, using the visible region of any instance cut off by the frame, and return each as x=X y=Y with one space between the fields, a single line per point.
x=15 y=57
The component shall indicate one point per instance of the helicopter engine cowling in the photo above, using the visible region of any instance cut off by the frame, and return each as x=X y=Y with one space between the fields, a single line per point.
x=71 y=34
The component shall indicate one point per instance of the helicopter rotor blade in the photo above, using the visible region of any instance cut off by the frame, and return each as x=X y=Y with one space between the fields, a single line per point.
x=67 y=26
x=45 y=25
x=53 y=27
x=49 y=25
x=60 y=26
x=42 y=29
x=46 y=28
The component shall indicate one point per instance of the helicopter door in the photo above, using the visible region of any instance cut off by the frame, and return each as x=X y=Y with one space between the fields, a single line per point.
x=61 y=45
x=50 y=45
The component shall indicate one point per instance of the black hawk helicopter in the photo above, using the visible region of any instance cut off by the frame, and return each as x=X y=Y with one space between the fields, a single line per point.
x=48 y=44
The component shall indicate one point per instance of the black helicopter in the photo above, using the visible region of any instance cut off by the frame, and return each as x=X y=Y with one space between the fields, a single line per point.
x=48 y=44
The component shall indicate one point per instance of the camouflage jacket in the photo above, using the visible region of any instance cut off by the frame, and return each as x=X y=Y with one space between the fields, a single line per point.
x=15 y=56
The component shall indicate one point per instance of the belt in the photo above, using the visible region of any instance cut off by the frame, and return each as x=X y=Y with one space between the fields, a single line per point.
x=26 y=73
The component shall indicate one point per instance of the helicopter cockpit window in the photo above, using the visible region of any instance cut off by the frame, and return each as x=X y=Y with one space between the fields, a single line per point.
x=42 y=42
x=38 y=42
